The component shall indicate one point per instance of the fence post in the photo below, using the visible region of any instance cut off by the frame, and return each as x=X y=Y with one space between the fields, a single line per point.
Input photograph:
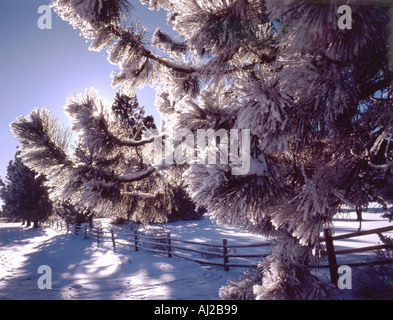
x=168 y=239
x=98 y=236
x=331 y=256
x=136 y=240
x=85 y=236
x=225 y=252
x=113 y=239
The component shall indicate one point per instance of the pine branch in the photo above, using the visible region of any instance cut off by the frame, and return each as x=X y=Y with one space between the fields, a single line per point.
x=126 y=178
x=368 y=91
x=42 y=140
x=142 y=195
x=143 y=51
x=130 y=143
x=136 y=176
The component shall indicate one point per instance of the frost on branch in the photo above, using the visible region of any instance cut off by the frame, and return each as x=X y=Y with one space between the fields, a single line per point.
x=41 y=138
x=286 y=275
x=202 y=114
x=165 y=43
x=242 y=288
x=241 y=201
x=96 y=125
x=336 y=94
x=311 y=210
x=158 y=4
x=264 y=110
x=216 y=27
x=102 y=22
x=91 y=11
x=311 y=27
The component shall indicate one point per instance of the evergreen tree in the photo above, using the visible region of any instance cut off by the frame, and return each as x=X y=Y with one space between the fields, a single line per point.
x=24 y=195
x=71 y=214
x=105 y=173
x=132 y=115
x=179 y=204
x=317 y=99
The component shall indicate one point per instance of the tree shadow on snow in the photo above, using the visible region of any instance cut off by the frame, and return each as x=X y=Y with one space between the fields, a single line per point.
x=83 y=270
x=58 y=252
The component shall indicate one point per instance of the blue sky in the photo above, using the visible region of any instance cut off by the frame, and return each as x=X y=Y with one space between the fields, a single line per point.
x=41 y=68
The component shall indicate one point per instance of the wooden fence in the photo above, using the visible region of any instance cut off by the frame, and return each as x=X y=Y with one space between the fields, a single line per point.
x=331 y=252
x=171 y=246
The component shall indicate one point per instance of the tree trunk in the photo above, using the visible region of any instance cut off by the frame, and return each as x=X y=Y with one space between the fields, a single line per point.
x=359 y=213
x=359 y=217
x=90 y=218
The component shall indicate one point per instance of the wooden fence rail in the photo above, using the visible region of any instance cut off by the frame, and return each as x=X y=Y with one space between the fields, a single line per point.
x=171 y=246
x=331 y=252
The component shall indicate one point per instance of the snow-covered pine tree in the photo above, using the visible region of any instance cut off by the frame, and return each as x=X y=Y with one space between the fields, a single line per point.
x=132 y=115
x=316 y=98
x=24 y=195
x=177 y=202
x=104 y=171
x=67 y=211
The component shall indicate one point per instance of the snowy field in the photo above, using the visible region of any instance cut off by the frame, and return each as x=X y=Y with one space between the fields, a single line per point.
x=81 y=269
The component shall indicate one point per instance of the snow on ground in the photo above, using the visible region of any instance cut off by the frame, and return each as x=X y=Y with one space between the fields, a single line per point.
x=81 y=269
